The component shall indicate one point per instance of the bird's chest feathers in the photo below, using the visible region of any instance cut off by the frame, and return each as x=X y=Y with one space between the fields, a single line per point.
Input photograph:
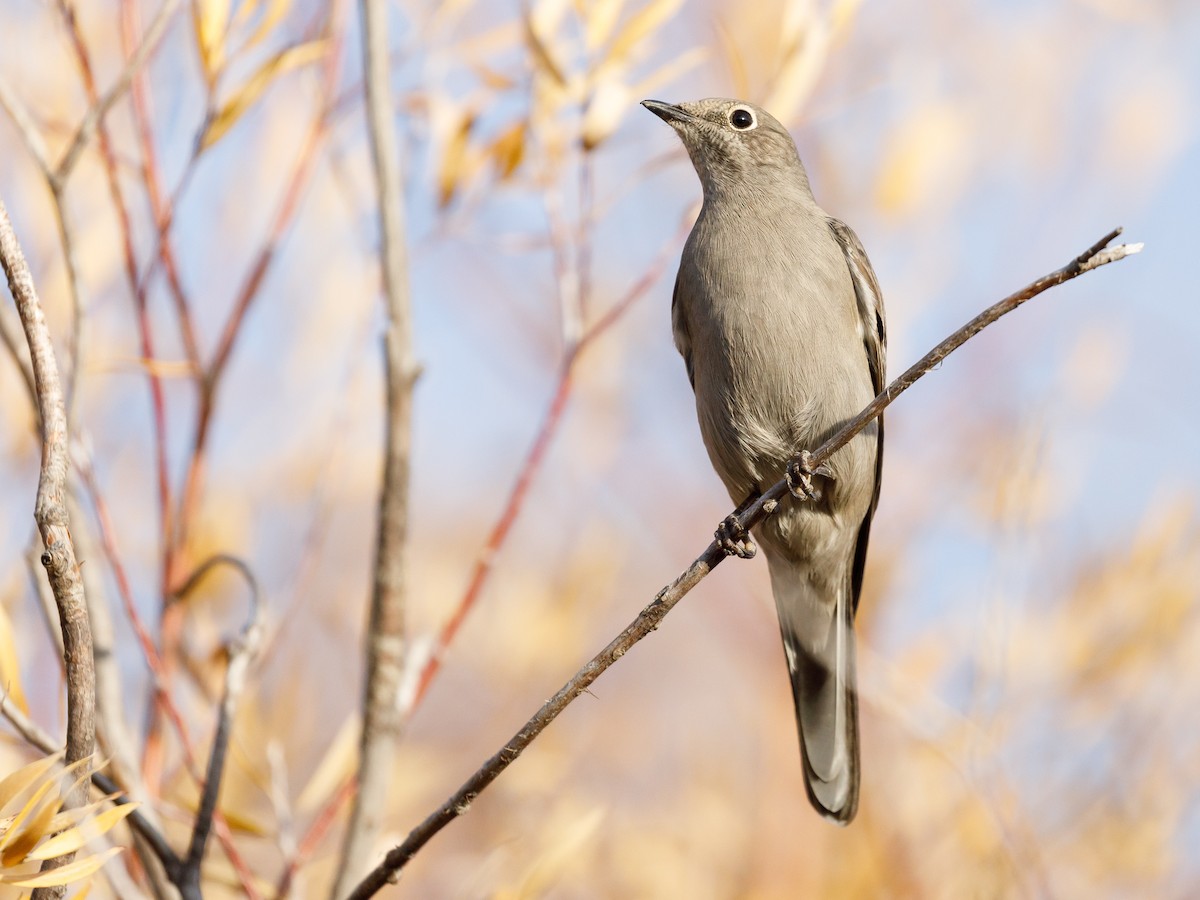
x=765 y=304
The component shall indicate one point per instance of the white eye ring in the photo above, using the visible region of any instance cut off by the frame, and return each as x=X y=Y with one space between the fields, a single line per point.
x=738 y=116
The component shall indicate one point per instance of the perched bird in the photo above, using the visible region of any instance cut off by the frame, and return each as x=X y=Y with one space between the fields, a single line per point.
x=780 y=322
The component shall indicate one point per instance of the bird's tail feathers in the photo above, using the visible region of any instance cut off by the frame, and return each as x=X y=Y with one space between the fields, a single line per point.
x=818 y=640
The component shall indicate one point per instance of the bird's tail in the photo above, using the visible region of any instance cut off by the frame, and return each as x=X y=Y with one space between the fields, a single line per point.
x=818 y=640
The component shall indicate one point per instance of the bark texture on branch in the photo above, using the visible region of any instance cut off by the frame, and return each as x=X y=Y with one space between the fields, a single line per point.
x=385 y=638
x=50 y=514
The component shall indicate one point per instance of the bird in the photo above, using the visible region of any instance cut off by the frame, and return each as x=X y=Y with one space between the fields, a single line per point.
x=779 y=318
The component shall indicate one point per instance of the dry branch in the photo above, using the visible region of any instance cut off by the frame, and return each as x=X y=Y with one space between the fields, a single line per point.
x=50 y=511
x=649 y=618
x=241 y=654
x=385 y=638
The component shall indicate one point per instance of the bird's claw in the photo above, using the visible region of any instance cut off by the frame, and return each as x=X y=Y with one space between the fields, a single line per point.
x=800 y=474
x=734 y=539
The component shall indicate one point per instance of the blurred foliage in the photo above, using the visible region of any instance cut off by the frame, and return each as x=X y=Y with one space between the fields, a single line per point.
x=1029 y=629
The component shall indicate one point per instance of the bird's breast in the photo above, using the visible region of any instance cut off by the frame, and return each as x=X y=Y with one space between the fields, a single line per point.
x=775 y=345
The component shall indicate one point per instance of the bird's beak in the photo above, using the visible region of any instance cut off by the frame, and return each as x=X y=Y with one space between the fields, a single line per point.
x=667 y=112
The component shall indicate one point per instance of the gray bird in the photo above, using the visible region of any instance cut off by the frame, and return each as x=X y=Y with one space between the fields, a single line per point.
x=780 y=322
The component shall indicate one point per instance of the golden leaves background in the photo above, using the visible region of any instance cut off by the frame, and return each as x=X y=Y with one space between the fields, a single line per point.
x=1029 y=631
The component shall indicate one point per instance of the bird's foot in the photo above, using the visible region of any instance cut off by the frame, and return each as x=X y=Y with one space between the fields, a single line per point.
x=734 y=539
x=800 y=475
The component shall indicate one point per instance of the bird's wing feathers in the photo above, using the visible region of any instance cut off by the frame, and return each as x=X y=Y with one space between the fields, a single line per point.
x=683 y=338
x=874 y=329
x=870 y=300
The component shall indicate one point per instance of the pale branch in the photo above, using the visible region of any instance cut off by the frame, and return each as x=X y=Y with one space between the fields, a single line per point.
x=241 y=654
x=50 y=510
x=100 y=108
x=30 y=136
x=385 y=636
x=648 y=619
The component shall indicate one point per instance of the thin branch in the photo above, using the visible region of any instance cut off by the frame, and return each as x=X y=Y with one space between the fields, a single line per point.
x=101 y=105
x=30 y=136
x=50 y=510
x=297 y=184
x=160 y=206
x=385 y=638
x=154 y=661
x=424 y=667
x=648 y=620
x=498 y=536
x=241 y=654
x=12 y=343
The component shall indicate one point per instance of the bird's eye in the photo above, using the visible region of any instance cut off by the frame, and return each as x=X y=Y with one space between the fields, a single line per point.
x=741 y=119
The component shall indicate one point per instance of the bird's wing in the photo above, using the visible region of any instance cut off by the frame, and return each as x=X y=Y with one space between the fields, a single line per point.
x=683 y=338
x=873 y=325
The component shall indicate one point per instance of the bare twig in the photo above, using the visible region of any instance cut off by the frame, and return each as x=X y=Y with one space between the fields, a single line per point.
x=294 y=190
x=385 y=638
x=498 y=536
x=425 y=668
x=161 y=206
x=101 y=105
x=650 y=617
x=241 y=654
x=50 y=510
x=154 y=660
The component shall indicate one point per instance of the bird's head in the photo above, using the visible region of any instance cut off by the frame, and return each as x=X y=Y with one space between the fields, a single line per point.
x=734 y=145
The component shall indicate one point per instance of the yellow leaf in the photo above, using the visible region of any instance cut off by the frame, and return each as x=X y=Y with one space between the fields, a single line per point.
x=338 y=764
x=508 y=149
x=640 y=26
x=25 y=776
x=842 y=15
x=601 y=16
x=69 y=818
x=925 y=157
x=211 y=18
x=497 y=81
x=26 y=811
x=607 y=107
x=73 y=871
x=543 y=58
x=248 y=93
x=15 y=850
x=276 y=10
x=10 y=664
x=455 y=160
x=806 y=50
x=73 y=838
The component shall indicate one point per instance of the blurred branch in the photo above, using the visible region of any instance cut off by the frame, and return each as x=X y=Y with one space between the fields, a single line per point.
x=153 y=659
x=116 y=192
x=241 y=654
x=498 y=536
x=385 y=637
x=101 y=105
x=423 y=669
x=161 y=207
x=52 y=517
x=648 y=620
x=295 y=186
